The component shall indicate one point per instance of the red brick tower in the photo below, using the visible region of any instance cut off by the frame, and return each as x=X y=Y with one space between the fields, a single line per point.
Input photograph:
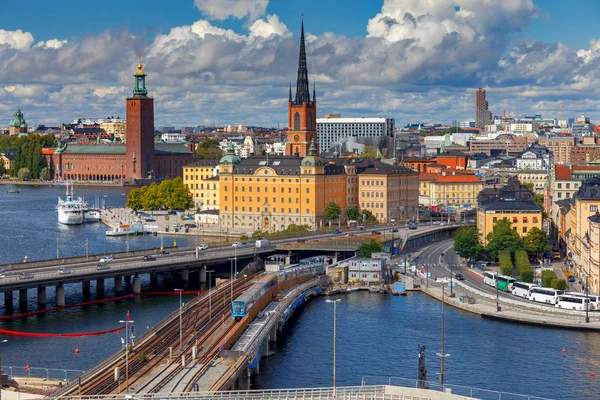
x=302 y=112
x=140 y=130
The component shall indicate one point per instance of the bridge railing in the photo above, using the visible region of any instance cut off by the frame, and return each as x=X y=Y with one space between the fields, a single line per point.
x=37 y=372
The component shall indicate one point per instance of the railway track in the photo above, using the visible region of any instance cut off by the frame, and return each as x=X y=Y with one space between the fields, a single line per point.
x=155 y=347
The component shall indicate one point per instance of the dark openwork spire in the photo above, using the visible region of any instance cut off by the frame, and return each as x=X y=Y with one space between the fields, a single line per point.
x=290 y=91
x=314 y=92
x=302 y=88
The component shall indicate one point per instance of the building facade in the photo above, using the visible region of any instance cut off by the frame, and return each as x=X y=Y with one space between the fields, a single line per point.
x=483 y=116
x=367 y=270
x=202 y=179
x=522 y=214
x=454 y=189
x=560 y=146
x=17 y=124
x=334 y=130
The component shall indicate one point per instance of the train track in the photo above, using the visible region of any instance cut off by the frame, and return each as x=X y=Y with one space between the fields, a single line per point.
x=153 y=349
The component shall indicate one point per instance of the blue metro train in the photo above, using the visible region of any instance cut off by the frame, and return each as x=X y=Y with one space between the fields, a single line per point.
x=246 y=301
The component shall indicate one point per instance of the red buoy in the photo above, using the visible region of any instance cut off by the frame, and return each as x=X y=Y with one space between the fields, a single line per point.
x=593 y=374
x=563 y=351
x=27 y=367
x=77 y=350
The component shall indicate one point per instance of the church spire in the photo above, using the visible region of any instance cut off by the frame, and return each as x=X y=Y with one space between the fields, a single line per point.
x=314 y=92
x=290 y=91
x=302 y=87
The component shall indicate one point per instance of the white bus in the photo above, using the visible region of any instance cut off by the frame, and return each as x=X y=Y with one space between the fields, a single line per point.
x=594 y=300
x=489 y=278
x=545 y=295
x=571 y=302
x=522 y=289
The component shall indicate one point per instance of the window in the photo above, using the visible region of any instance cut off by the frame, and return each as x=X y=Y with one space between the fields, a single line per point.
x=524 y=229
x=593 y=208
x=297 y=121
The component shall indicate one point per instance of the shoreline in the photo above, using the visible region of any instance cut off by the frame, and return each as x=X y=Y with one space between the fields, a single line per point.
x=52 y=183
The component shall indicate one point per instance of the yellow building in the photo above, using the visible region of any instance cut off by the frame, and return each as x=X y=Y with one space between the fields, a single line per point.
x=7 y=158
x=201 y=177
x=454 y=189
x=271 y=193
x=115 y=127
x=390 y=192
x=522 y=214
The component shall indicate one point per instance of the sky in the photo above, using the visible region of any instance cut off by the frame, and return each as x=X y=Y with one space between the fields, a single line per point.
x=231 y=61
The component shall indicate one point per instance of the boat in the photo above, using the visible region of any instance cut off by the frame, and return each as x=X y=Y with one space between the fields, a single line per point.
x=13 y=191
x=71 y=210
x=136 y=228
x=92 y=215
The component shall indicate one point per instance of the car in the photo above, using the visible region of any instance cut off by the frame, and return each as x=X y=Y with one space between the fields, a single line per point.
x=25 y=275
x=375 y=233
x=337 y=232
x=571 y=279
x=172 y=212
x=163 y=252
x=149 y=219
x=1 y=270
x=106 y=259
x=236 y=244
x=64 y=271
x=301 y=240
x=149 y=257
x=459 y=277
x=177 y=225
x=471 y=221
x=101 y=267
x=2 y=276
x=361 y=228
x=203 y=247
x=393 y=230
x=192 y=225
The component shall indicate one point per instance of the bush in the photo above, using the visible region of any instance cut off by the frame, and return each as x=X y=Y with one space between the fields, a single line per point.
x=506 y=270
x=559 y=284
x=505 y=263
x=527 y=275
x=547 y=277
x=243 y=237
x=24 y=174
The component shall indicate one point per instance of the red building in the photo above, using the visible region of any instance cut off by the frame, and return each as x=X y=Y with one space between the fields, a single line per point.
x=139 y=158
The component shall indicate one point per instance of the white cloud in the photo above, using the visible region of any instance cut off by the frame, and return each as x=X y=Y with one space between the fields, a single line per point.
x=272 y=26
x=223 y=9
x=52 y=44
x=18 y=39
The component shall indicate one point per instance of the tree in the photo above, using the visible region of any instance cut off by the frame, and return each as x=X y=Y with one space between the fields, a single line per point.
x=528 y=185
x=368 y=217
x=466 y=243
x=209 y=149
x=352 y=213
x=45 y=174
x=332 y=211
x=370 y=247
x=539 y=200
x=370 y=152
x=24 y=174
x=2 y=169
x=209 y=144
x=536 y=242
x=170 y=193
x=503 y=237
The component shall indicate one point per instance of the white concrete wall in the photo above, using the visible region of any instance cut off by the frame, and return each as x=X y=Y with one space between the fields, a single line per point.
x=11 y=395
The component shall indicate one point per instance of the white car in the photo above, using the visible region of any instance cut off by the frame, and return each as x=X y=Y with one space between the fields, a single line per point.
x=203 y=247
x=106 y=259
x=236 y=244
x=64 y=271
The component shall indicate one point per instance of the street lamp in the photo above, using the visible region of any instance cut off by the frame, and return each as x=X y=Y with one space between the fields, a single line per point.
x=209 y=294
x=334 y=339
x=127 y=322
x=180 y=309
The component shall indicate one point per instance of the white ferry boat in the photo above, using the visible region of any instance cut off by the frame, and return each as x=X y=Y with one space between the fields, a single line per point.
x=70 y=210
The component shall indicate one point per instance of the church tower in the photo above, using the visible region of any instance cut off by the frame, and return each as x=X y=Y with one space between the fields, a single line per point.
x=302 y=111
x=140 y=130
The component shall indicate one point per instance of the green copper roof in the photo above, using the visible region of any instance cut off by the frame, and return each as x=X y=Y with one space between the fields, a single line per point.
x=18 y=121
x=312 y=159
x=230 y=157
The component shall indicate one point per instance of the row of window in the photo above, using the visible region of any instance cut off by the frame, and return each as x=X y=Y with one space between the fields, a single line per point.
x=191 y=186
x=567 y=185
x=515 y=220
x=261 y=209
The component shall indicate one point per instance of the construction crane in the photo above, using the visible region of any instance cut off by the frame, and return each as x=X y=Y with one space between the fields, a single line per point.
x=560 y=107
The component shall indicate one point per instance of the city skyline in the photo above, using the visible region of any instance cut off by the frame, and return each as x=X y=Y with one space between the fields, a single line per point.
x=212 y=64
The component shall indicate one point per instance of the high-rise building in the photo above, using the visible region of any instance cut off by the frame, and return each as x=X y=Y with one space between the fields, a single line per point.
x=333 y=130
x=302 y=111
x=483 y=116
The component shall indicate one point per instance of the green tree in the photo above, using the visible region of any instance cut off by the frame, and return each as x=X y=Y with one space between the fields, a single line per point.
x=528 y=185
x=370 y=152
x=45 y=174
x=209 y=150
x=370 y=247
x=170 y=193
x=2 y=169
x=539 y=200
x=332 y=211
x=209 y=144
x=135 y=199
x=536 y=242
x=368 y=217
x=352 y=213
x=24 y=174
x=466 y=243
x=503 y=237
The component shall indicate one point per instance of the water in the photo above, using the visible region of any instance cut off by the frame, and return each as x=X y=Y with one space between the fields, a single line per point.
x=377 y=337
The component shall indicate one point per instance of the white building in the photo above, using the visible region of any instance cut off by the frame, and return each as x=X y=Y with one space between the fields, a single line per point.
x=521 y=127
x=173 y=137
x=335 y=130
x=276 y=147
x=366 y=270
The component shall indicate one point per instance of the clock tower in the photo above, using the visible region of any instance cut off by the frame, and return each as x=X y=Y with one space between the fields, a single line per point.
x=302 y=110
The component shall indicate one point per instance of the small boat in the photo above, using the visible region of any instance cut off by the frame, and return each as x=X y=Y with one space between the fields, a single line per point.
x=92 y=215
x=136 y=228
x=13 y=191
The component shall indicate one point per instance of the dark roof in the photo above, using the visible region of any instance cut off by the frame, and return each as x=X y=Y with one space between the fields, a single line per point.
x=589 y=189
x=171 y=148
x=478 y=156
x=203 y=163
x=210 y=212
x=79 y=131
x=508 y=204
x=565 y=205
x=452 y=153
x=10 y=154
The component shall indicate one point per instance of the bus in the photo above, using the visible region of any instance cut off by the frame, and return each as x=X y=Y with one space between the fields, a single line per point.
x=572 y=302
x=545 y=295
x=594 y=300
x=521 y=289
x=489 y=278
x=505 y=283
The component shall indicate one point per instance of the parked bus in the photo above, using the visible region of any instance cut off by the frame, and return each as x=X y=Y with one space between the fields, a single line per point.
x=545 y=295
x=521 y=289
x=489 y=278
x=594 y=300
x=505 y=283
x=572 y=302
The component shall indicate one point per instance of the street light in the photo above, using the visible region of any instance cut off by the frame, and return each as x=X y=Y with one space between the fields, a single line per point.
x=127 y=322
x=334 y=339
x=209 y=294
x=180 y=309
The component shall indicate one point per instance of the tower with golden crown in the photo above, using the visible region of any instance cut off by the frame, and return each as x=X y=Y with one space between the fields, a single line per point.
x=302 y=110
x=140 y=129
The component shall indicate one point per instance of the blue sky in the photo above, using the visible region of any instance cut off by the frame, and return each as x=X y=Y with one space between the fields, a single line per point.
x=407 y=59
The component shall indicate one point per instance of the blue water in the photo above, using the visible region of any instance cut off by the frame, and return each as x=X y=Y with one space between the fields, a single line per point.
x=377 y=337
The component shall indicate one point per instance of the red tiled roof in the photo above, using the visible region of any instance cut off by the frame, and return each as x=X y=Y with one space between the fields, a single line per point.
x=427 y=176
x=457 y=179
x=563 y=172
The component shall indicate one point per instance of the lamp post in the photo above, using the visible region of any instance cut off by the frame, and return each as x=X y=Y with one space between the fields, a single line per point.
x=451 y=274
x=334 y=341
x=587 y=298
x=209 y=294
x=127 y=322
x=497 y=298
x=180 y=312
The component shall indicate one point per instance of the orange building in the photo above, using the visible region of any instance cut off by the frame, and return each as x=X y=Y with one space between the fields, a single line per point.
x=453 y=159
